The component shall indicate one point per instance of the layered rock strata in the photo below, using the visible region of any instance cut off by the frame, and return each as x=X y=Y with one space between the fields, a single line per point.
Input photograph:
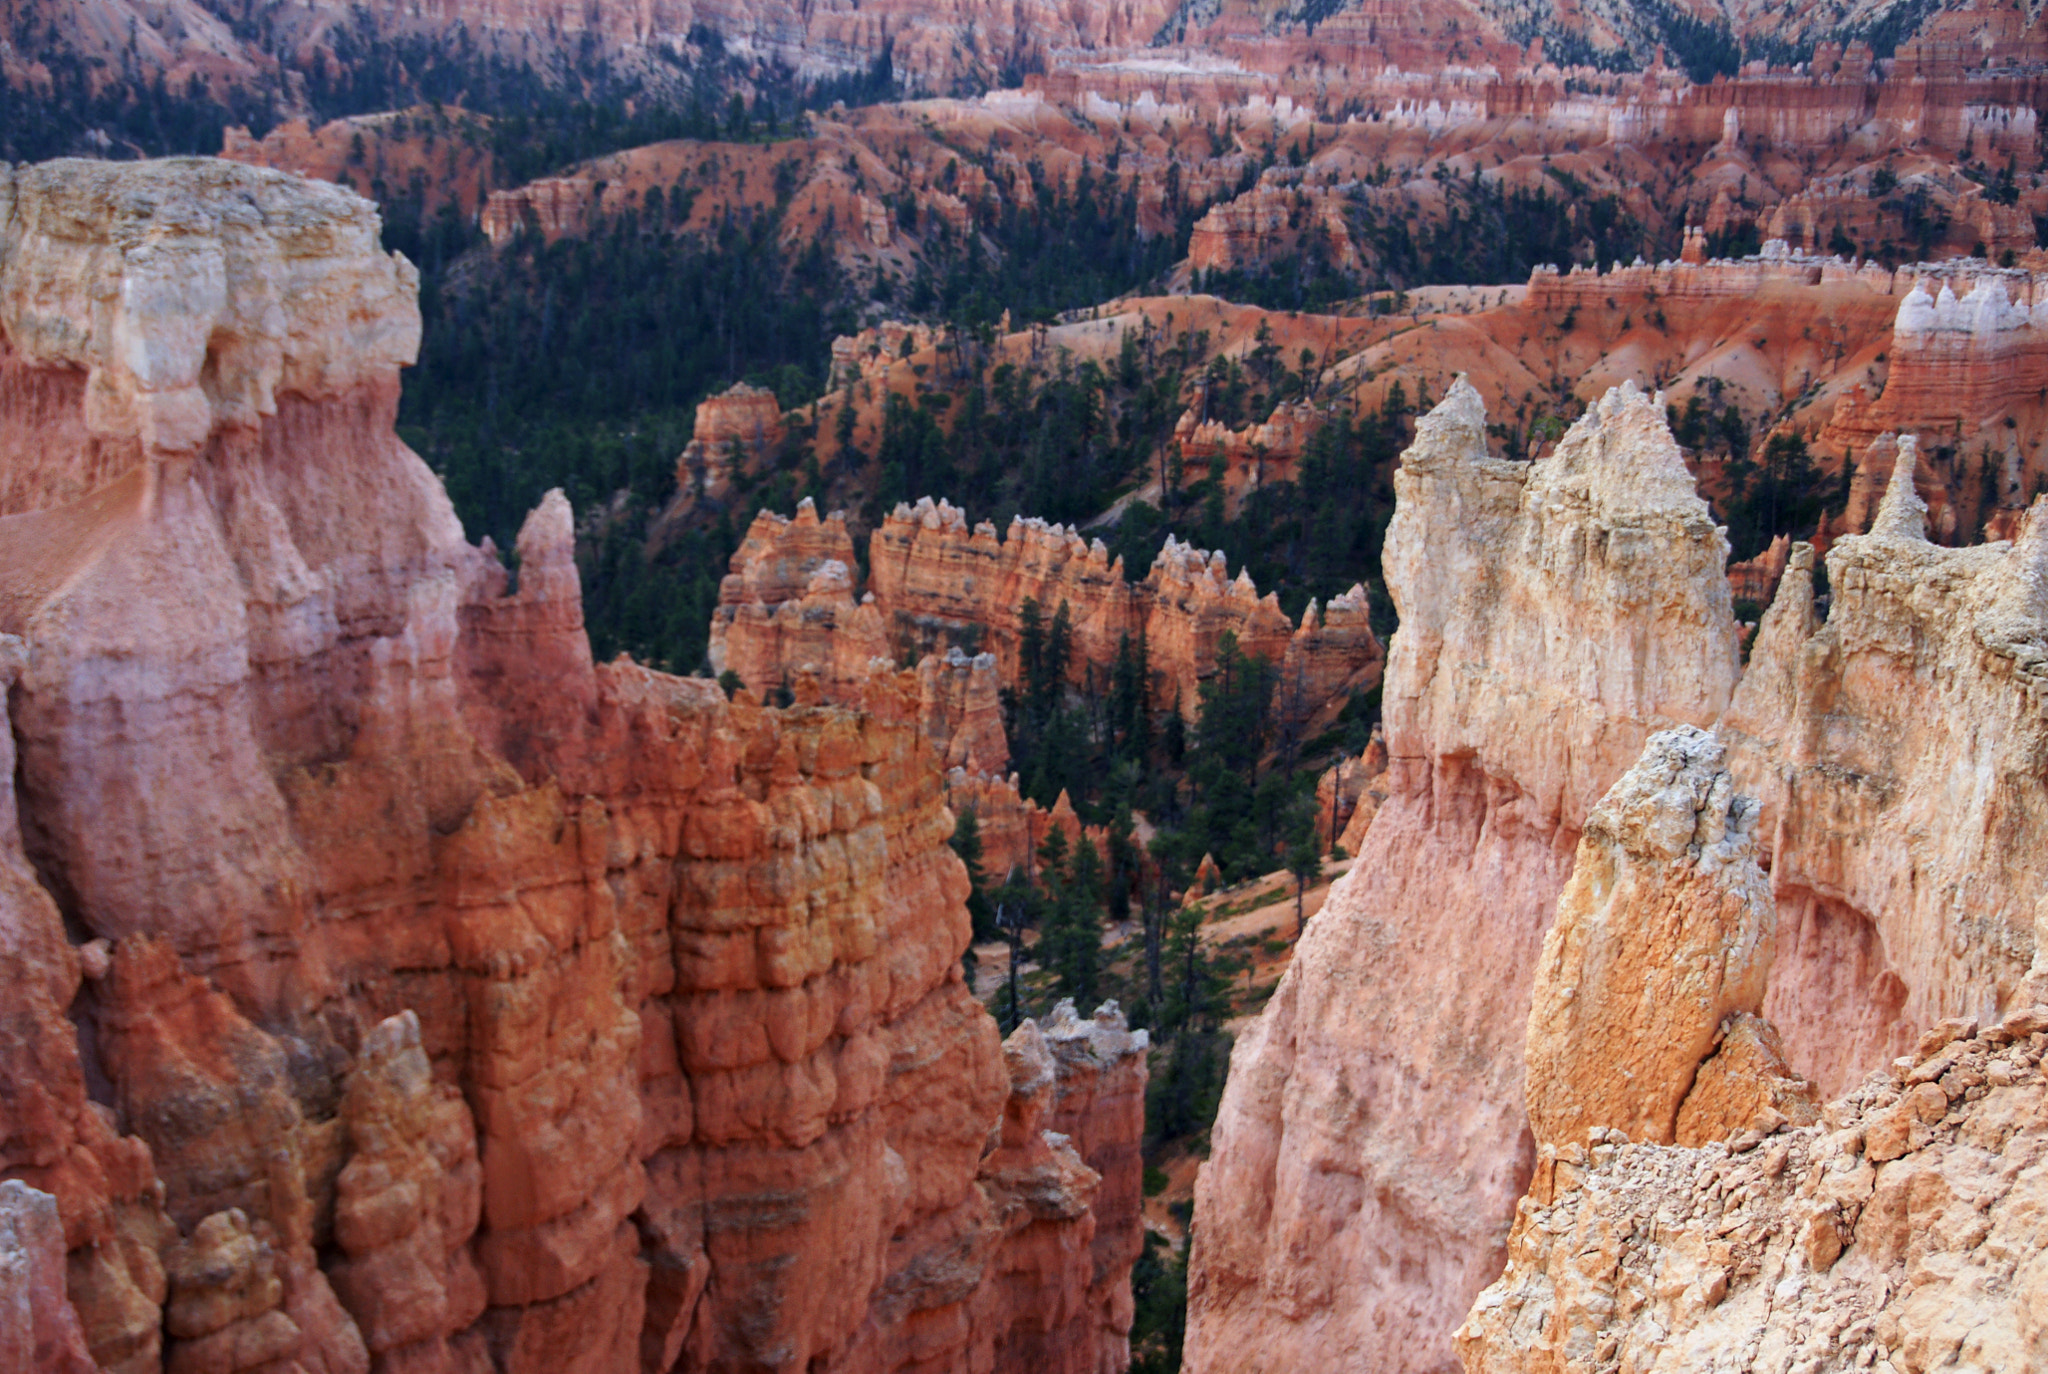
x=1372 y=1140
x=398 y=989
x=938 y=586
x=1899 y=1233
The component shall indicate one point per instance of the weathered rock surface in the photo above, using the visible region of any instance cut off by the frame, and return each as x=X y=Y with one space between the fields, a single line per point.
x=448 y=1002
x=1895 y=749
x=1372 y=1139
x=38 y=1328
x=1900 y=1233
x=1663 y=934
x=938 y=586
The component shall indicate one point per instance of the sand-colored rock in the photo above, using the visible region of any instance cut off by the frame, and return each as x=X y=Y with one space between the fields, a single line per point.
x=1892 y=748
x=1664 y=933
x=1372 y=1141
x=456 y=1003
x=1900 y=1233
x=1745 y=1085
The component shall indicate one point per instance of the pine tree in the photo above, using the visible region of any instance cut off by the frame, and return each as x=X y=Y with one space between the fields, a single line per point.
x=1304 y=863
x=966 y=843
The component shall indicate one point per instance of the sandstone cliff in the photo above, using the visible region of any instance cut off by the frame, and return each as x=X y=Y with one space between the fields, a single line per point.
x=1372 y=1140
x=398 y=989
x=1893 y=746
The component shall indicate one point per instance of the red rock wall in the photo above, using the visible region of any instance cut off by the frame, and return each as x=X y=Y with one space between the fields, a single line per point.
x=451 y=1002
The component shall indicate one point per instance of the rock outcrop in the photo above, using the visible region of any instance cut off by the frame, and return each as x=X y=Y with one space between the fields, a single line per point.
x=1894 y=747
x=1900 y=1233
x=1372 y=1141
x=1663 y=934
x=734 y=431
x=447 y=1001
x=1099 y=1106
x=936 y=586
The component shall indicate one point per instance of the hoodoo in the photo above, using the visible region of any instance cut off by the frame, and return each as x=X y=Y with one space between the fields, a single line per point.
x=397 y=989
x=1659 y=950
x=1372 y=1139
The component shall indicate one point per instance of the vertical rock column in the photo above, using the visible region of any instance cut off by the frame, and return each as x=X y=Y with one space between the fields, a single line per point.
x=1372 y=1141
x=1662 y=942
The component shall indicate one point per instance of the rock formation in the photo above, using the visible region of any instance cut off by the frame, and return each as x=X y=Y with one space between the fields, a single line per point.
x=1371 y=797
x=1893 y=746
x=1372 y=1141
x=953 y=602
x=1900 y=1233
x=424 y=996
x=788 y=606
x=735 y=430
x=939 y=583
x=1269 y=451
x=1070 y=1143
x=1662 y=940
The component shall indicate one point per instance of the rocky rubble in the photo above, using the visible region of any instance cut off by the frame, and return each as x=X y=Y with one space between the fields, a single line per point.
x=1899 y=1233
x=396 y=989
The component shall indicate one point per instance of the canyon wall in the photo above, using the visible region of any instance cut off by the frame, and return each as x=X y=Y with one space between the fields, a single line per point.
x=1896 y=749
x=1386 y=1110
x=1372 y=1139
x=403 y=991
